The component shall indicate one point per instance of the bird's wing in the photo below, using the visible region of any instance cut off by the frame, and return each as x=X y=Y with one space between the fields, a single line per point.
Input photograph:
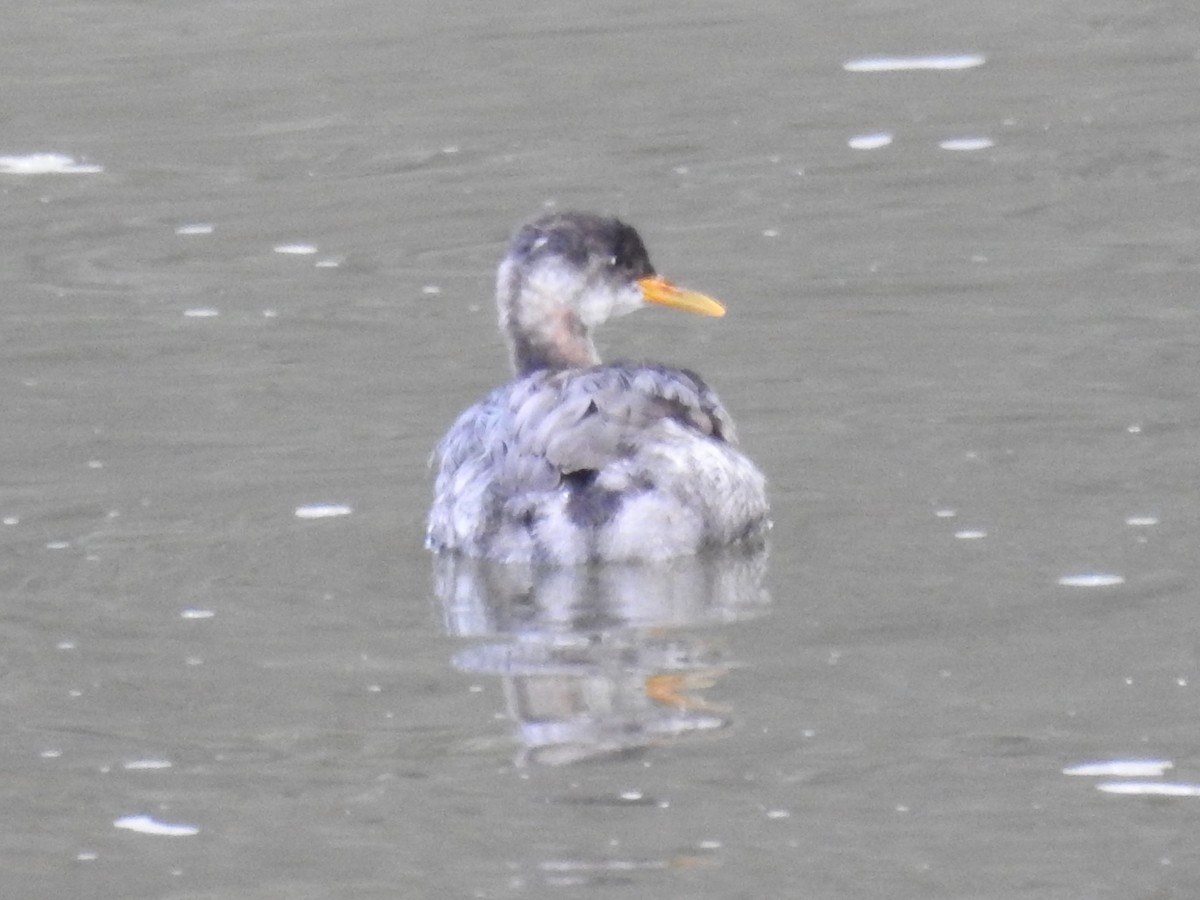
x=530 y=433
x=609 y=412
x=490 y=441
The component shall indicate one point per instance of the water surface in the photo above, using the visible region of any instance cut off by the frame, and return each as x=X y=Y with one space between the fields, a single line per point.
x=969 y=374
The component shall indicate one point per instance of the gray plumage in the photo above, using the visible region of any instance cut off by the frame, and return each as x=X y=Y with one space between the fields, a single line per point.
x=575 y=461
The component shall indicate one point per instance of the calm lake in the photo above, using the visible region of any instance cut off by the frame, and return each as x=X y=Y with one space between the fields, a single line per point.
x=247 y=283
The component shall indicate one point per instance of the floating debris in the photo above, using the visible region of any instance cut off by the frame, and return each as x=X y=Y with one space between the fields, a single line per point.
x=1150 y=788
x=144 y=824
x=322 y=510
x=1122 y=768
x=911 y=63
x=1091 y=579
x=967 y=143
x=138 y=764
x=870 y=141
x=46 y=164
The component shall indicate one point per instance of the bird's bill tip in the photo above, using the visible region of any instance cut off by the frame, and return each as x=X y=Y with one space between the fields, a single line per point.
x=658 y=290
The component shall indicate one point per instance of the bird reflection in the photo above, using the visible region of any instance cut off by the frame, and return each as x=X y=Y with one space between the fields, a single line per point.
x=604 y=660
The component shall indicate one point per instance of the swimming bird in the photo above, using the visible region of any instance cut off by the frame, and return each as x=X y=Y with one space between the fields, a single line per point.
x=576 y=461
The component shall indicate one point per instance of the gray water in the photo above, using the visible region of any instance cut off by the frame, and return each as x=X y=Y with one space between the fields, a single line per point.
x=968 y=374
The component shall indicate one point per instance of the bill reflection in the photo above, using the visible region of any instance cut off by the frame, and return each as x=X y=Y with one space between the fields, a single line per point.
x=602 y=660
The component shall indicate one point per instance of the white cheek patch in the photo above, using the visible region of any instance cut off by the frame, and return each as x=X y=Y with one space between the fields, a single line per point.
x=555 y=283
x=548 y=288
x=626 y=300
x=601 y=301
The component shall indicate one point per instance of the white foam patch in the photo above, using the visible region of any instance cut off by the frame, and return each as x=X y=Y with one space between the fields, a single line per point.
x=195 y=229
x=1150 y=788
x=191 y=613
x=46 y=164
x=296 y=249
x=941 y=63
x=967 y=143
x=971 y=534
x=1122 y=768
x=870 y=141
x=144 y=824
x=1142 y=521
x=1091 y=579
x=327 y=263
x=201 y=312
x=139 y=764
x=322 y=510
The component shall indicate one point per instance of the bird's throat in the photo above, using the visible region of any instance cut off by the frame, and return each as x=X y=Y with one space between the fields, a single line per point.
x=555 y=339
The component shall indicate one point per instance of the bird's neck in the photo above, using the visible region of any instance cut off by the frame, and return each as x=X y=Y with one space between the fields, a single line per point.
x=544 y=334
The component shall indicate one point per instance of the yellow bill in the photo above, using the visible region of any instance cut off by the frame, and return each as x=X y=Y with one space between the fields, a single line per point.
x=659 y=290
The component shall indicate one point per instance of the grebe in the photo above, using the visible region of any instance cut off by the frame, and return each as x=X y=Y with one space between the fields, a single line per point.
x=576 y=461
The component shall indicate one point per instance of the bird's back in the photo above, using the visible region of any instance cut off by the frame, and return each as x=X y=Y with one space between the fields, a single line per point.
x=612 y=462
